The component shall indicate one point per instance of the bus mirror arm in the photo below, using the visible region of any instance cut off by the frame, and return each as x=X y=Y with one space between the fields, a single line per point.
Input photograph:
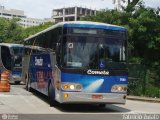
x=58 y=53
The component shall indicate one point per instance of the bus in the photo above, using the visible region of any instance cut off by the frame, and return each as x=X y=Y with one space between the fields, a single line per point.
x=78 y=62
x=11 y=59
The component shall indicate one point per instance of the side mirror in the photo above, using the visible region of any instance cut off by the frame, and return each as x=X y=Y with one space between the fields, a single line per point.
x=58 y=49
x=53 y=59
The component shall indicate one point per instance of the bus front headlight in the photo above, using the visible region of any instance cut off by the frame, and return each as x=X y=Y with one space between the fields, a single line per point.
x=119 y=88
x=71 y=86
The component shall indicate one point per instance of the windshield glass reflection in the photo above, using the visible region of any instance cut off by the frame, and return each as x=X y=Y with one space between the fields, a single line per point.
x=93 y=52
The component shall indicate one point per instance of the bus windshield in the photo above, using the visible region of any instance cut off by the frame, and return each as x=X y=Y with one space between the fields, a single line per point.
x=94 y=52
x=17 y=56
x=17 y=50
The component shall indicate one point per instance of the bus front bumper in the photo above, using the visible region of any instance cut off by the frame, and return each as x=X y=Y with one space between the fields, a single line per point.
x=78 y=97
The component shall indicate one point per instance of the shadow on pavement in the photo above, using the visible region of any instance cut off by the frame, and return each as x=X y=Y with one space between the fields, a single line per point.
x=91 y=108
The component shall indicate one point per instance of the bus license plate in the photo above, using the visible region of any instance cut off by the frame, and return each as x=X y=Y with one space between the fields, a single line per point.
x=97 y=96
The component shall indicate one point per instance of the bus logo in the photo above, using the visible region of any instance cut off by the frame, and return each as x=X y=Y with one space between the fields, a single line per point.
x=98 y=72
x=38 y=62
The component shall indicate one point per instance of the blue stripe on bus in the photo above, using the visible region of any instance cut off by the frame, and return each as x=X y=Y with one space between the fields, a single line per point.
x=96 y=26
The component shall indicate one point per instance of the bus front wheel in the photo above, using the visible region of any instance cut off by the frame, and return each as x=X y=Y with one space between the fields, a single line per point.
x=51 y=96
x=17 y=82
x=28 y=85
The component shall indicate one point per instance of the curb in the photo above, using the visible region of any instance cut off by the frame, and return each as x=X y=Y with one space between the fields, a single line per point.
x=146 y=99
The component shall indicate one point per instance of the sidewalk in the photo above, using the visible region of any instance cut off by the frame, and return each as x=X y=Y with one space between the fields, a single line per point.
x=147 y=99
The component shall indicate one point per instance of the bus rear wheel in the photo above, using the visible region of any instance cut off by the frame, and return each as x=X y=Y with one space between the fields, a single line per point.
x=51 y=96
x=102 y=105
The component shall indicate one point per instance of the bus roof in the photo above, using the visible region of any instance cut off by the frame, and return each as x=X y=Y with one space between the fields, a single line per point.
x=11 y=45
x=82 y=24
x=88 y=24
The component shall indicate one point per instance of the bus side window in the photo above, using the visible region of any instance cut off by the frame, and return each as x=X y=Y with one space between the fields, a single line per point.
x=40 y=41
x=6 y=57
x=53 y=37
x=26 y=51
x=49 y=39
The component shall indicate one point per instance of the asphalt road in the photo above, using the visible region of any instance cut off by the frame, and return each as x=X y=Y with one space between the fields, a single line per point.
x=19 y=104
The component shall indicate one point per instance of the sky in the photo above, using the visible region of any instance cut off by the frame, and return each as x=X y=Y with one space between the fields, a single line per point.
x=43 y=8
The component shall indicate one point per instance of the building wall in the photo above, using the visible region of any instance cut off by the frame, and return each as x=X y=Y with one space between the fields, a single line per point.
x=11 y=13
x=29 y=22
x=71 y=13
x=24 y=20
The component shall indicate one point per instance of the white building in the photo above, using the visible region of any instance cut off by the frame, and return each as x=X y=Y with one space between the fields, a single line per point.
x=49 y=20
x=24 y=21
x=29 y=22
x=11 y=13
x=71 y=13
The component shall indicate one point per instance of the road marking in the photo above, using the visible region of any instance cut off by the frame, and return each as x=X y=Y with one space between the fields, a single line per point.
x=4 y=95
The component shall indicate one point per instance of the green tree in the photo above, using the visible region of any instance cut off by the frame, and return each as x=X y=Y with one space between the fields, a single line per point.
x=3 y=29
x=144 y=24
x=35 y=29
x=10 y=31
x=131 y=5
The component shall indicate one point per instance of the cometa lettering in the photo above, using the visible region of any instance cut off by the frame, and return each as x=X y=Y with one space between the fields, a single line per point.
x=98 y=72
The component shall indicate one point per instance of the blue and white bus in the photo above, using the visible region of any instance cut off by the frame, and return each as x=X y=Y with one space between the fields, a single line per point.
x=12 y=54
x=78 y=62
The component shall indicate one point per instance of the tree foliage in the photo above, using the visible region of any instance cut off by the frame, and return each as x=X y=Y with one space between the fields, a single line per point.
x=35 y=29
x=12 y=32
x=131 y=5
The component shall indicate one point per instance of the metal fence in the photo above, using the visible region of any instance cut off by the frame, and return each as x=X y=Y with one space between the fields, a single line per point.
x=144 y=81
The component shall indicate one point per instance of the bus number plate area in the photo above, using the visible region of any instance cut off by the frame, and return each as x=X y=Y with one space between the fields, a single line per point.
x=97 y=96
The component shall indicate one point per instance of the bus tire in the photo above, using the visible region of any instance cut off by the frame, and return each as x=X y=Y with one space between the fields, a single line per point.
x=17 y=82
x=28 y=84
x=51 y=96
x=102 y=105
